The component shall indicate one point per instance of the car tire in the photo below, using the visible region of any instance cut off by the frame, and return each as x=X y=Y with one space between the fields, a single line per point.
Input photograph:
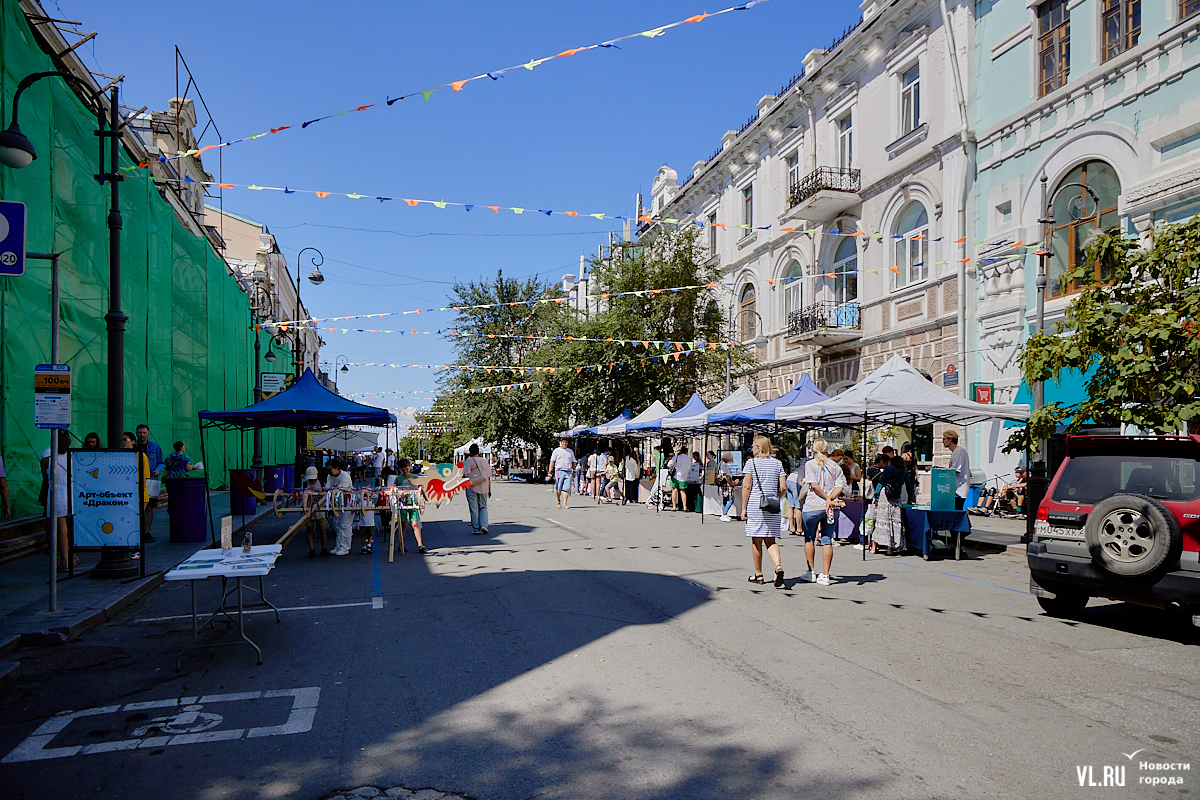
x=1132 y=536
x=1066 y=605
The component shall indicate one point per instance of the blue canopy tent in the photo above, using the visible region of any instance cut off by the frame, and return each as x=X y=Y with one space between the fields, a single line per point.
x=762 y=416
x=619 y=419
x=306 y=405
x=693 y=407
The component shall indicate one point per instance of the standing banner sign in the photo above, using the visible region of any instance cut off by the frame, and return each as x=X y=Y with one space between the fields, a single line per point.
x=106 y=497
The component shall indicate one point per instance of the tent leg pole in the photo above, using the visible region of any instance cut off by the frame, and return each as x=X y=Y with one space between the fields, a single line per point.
x=862 y=520
x=212 y=532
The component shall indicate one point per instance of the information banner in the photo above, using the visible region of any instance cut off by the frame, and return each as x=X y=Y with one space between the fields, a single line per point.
x=274 y=382
x=52 y=396
x=106 y=497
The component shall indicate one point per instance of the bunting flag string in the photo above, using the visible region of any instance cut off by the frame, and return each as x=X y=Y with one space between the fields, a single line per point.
x=458 y=85
x=517 y=369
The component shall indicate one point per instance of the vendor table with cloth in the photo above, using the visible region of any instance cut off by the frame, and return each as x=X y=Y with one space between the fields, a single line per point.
x=236 y=566
x=921 y=522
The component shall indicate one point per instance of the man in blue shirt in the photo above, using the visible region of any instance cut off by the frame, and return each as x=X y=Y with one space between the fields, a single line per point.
x=154 y=455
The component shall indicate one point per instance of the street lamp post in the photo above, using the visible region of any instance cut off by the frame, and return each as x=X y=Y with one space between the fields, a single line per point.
x=1039 y=478
x=260 y=311
x=317 y=279
x=760 y=342
x=16 y=152
x=340 y=364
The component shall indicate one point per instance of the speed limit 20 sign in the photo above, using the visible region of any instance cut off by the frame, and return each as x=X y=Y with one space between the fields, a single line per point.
x=12 y=238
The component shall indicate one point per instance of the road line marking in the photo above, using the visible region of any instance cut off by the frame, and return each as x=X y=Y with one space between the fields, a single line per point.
x=261 y=611
x=376 y=603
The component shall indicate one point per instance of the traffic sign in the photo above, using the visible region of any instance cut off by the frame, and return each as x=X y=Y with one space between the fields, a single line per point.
x=951 y=376
x=52 y=396
x=12 y=238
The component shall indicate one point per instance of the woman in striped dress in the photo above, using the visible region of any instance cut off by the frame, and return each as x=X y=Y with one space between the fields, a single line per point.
x=761 y=475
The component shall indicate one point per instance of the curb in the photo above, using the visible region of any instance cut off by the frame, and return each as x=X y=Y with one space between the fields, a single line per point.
x=9 y=672
x=84 y=621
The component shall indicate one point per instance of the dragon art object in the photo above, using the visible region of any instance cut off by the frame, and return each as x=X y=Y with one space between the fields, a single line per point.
x=440 y=481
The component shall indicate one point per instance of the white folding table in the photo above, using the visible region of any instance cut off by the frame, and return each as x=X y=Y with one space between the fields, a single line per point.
x=236 y=566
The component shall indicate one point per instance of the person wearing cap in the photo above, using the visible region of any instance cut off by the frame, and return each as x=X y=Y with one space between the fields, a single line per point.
x=1014 y=493
x=961 y=466
x=312 y=482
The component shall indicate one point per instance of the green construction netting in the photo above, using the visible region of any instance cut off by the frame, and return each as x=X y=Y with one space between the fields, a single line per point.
x=188 y=346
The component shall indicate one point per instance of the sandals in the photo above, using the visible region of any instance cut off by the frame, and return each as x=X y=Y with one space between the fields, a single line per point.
x=755 y=579
x=779 y=578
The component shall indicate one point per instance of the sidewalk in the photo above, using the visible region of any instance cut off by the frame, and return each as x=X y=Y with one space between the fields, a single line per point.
x=84 y=601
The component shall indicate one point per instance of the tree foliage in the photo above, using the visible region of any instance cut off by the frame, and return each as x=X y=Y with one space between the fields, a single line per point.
x=1136 y=323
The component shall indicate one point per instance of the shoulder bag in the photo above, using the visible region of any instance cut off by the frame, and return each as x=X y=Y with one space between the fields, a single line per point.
x=769 y=505
x=475 y=474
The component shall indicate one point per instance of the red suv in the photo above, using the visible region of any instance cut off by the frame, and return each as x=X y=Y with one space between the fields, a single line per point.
x=1121 y=520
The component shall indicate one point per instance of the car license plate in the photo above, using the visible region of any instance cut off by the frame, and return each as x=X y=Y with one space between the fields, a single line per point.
x=1047 y=531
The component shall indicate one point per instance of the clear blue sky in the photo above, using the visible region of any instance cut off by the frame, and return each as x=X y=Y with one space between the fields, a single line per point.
x=582 y=133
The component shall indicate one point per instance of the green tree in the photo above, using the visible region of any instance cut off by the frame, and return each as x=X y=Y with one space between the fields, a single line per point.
x=1136 y=323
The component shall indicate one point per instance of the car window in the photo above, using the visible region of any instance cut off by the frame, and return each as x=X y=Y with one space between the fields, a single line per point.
x=1089 y=479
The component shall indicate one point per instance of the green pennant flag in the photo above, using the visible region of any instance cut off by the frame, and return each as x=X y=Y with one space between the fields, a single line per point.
x=425 y=94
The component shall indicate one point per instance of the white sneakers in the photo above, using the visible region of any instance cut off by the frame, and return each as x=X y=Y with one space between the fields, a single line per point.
x=823 y=579
x=808 y=577
x=725 y=518
x=337 y=552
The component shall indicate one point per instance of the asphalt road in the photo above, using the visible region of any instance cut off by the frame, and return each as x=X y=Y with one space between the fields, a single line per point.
x=613 y=653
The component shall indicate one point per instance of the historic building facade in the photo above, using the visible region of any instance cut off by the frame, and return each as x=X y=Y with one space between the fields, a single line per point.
x=838 y=213
x=1094 y=105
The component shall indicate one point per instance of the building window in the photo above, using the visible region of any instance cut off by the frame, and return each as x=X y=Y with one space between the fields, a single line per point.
x=912 y=245
x=746 y=315
x=845 y=142
x=1187 y=8
x=1078 y=217
x=1054 y=45
x=793 y=289
x=1121 y=21
x=793 y=166
x=845 y=270
x=712 y=234
x=748 y=209
x=910 y=100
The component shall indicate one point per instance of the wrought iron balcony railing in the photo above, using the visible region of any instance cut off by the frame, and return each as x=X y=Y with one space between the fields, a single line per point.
x=822 y=178
x=823 y=315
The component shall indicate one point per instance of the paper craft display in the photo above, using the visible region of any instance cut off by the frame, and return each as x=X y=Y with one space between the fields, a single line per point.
x=106 y=497
x=441 y=481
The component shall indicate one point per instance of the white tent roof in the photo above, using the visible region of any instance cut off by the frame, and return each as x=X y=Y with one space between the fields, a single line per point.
x=465 y=448
x=743 y=398
x=345 y=440
x=655 y=411
x=896 y=394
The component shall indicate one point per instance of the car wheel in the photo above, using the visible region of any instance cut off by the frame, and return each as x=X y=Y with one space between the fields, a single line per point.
x=1065 y=604
x=1132 y=536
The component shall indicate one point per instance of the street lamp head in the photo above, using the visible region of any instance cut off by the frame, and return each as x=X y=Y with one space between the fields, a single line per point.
x=270 y=356
x=16 y=151
x=760 y=341
x=316 y=278
x=345 y=368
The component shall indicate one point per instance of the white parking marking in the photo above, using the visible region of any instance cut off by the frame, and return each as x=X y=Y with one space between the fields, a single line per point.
x=263 y=611
x=376 y=603
x=190 y=724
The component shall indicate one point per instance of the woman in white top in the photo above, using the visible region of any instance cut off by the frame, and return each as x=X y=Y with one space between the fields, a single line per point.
x=477 y=496
x=826 y=483
x=763 y=476
x=61 y=493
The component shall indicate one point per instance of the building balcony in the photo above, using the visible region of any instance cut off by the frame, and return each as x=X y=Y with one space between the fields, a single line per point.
x=824 y=193
x=826 y=324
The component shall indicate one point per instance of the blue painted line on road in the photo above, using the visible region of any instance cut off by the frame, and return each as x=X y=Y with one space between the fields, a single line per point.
x=960 y=577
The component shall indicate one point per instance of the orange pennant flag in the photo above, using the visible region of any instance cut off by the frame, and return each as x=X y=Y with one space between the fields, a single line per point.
x=830 y=275
x=960 y=241
x=720 y=225
x=225 y=185
x=571 y=213
x=647 y=219
x=323 y=194
x=578 y=370
x=895 y=270
x=412 y=202
x=206 y=147
x=789 y=230
x=457 y=85
x=856 y=233
x=697 y=18
x=770 y=281
x=363 y=108
x=570 y=52
x=657 y=291
x=495 y=208
x=964 y=261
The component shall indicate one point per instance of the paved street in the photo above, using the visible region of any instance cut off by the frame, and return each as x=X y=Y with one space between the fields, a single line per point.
x=614 y=653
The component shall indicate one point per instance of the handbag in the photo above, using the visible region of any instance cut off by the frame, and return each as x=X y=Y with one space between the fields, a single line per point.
x=768 y=504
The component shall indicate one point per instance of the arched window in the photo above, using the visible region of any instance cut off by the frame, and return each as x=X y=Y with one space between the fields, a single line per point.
x=793 y=290
x=746 y=316
x=1077 y=216
x=911 y=238
x=845 y=270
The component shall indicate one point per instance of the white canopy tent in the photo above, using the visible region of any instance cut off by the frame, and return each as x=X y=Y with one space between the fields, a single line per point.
x=655 y=412
x=345 y=440
x=465 y=448
x=896 y=394
x=740 y=400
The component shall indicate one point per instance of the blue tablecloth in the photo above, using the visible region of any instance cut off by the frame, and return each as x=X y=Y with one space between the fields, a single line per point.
x=919 y=522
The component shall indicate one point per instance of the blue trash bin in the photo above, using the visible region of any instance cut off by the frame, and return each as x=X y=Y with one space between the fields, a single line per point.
x=239 y=503
x=188 y=508
x=274 y=479
x=289 y=477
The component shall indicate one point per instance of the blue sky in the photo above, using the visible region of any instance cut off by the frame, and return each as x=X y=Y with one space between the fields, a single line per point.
x=582 y=133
